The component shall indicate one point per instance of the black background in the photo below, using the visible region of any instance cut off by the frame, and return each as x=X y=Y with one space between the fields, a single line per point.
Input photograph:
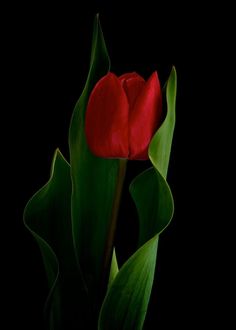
x=46 y=61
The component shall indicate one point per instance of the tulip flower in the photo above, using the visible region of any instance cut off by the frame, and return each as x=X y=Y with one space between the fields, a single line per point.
x=123 y=113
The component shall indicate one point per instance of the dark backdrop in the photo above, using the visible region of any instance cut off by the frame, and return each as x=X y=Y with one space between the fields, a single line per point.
x=47 y=57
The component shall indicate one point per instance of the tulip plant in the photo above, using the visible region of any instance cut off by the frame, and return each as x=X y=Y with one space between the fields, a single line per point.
x=73 y=216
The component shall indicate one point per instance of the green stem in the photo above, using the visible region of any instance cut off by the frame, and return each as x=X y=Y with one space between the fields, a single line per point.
x=113 y=223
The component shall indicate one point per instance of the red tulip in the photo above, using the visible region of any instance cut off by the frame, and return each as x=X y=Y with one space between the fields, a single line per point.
x=123 y=113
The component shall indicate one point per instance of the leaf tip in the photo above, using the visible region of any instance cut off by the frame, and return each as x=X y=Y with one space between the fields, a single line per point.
x=173 y=69
x=97 y=19
x=173 y=73
x=58 y=155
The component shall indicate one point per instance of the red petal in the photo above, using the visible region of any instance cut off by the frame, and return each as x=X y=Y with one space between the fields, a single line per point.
x=106 y=122
x=129 y=75
x=133 y=87
x=145 y=118
x=132 y=84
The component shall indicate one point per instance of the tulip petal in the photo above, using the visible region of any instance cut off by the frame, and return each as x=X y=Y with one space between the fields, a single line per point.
x=145 y=118
x=132 y=84
x=107 y=115
x=133 y=87
x=130 y=75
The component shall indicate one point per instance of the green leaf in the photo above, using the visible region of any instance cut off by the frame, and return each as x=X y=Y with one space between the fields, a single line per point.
x=114 y=268
x=160 y=146
x=94 y=182
x=47 y=216
x=154 y=203
x=127 y=300
x=125 y=304
x=150 y=190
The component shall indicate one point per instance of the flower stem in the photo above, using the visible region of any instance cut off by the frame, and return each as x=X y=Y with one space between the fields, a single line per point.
x=113 y=223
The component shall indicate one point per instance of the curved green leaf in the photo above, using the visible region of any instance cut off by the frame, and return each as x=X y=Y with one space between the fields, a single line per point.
x=94 y=181
x=125 y=303
x=160 y=146
x=127 y=300
x=154 y=203
x=47 y=216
